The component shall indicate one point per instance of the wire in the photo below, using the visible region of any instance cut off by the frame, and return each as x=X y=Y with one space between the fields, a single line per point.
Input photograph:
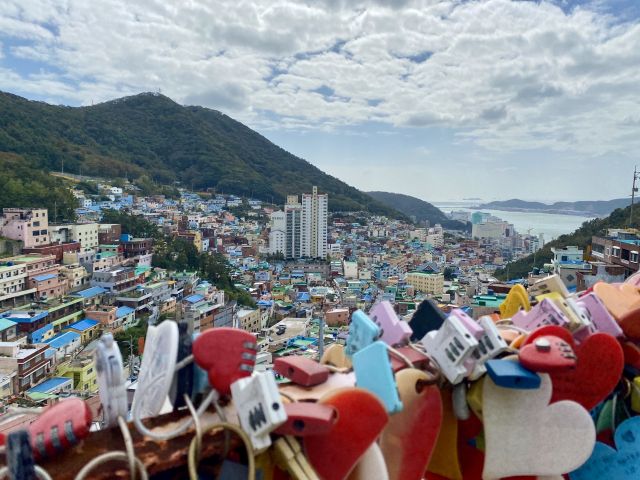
x=128 y=445
x=109 y=457
x=193 y=467
x=400 y=355
x=184 y=362
x=40 y=472
x=197 y=425
x=162 y=436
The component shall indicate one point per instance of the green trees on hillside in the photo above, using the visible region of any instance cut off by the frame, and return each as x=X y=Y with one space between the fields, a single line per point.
x=22 y=185
x=150 y=135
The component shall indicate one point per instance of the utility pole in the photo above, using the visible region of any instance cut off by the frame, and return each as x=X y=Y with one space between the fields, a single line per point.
x=634 y=189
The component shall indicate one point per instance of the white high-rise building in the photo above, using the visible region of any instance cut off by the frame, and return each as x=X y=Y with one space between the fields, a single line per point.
x=293 y=221
x=278 y=235
x=315 y=209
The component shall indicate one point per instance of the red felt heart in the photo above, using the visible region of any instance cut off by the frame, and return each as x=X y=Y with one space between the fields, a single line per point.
x=361 y=418
x=409 y=438
x=631 y=354
x=598 y=370
x=547 y=353
x=227 y=354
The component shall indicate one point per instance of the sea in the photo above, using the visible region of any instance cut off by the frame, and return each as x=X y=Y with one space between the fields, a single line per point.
x=551 y=225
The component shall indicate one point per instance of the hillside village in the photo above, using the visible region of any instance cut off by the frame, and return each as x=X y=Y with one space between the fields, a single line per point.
x=63 y=285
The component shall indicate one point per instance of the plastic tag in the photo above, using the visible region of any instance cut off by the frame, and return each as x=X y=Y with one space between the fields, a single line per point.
x=183 y=380
x=373 y=372
x=393 y=330
x=517 y=299
x=19 y=456
x=307 y=418
x=510 y=374
x=362 y=332
x=259 y=407
x=301 y=370
x=550 y=284
x=450 y=347
x=427 y=318
x=157 y=369
x=110 y=373
x=544 y=313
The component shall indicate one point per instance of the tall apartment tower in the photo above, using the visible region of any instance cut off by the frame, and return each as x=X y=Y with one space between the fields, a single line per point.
x=293 y=221
x=314 y=224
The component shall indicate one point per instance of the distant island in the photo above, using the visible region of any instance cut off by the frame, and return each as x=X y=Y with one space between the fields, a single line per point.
x=595 y=208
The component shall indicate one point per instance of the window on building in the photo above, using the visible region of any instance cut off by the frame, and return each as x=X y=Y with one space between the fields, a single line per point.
x=634 y=257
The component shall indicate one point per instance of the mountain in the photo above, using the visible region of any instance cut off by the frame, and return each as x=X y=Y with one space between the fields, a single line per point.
x=150 y=137
x=596 y=208
x=619 y=218
x=414 y=207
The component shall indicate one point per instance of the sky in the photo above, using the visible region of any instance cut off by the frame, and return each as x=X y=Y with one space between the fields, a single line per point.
x=440 y=99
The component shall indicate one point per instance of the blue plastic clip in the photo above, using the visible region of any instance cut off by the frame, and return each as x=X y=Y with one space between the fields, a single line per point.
x=20 y=456
x=362 y=332
x=510 y=374
x=183 y=380
x=373 y=372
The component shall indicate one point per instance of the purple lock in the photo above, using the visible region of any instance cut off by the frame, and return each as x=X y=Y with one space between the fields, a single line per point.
x=544 y=313
x=599 y=315
x=469 y=323
x=393 y=330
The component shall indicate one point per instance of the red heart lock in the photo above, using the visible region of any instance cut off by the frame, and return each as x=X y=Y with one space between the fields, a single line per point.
x=59 y=427
x=409 y=438
x=631 y=354
x=598 y=369
x=545 y=352
x=361 y=418
x=418 y=359
x=227 y=354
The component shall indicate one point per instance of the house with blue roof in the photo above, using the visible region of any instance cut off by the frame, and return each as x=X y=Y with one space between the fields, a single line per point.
x=90 y=296
x=65 y=344
x=87 y=328
x=126 y=317
x=27 y=321
x=8 y=330
x=52 y=386
x=41 y=335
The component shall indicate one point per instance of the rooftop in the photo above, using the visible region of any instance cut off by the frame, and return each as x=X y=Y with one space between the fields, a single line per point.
x=90 y=292
x=50 y=384
x=46 y=276
x=83 y=325
x=62 y=340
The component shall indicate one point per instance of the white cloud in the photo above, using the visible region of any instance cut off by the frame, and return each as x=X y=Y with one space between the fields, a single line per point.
x=506 y=75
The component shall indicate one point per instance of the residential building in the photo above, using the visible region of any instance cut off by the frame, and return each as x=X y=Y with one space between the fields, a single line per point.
x=65 y=344
x=126 y=317
x=567 y=263
x=250 y=320
x=135 y=247
x=293 y=215
x=48 y=285
x=8 y=330
x=88 y=329
x=82 y=372
x=27 y=361
x=28 y=225
x=430 y=283
x=109 y=233
x=619 y=247
x=278 y=233
x=106 y=315
x=314 y=226
x=86 y=234
x=337 y=316
x=27 y=321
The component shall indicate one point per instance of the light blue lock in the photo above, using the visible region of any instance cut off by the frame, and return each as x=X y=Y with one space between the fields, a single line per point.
x=373 y=372
x=362 y=332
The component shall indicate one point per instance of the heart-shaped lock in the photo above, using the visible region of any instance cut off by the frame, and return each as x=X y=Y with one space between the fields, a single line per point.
x=557 y=439
x=548 y=349
x=361 y=418
x=409 y=438
x=620 y=464
x=598 y=369
x=59 y=427
x=619 y=300
x=227 y=354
